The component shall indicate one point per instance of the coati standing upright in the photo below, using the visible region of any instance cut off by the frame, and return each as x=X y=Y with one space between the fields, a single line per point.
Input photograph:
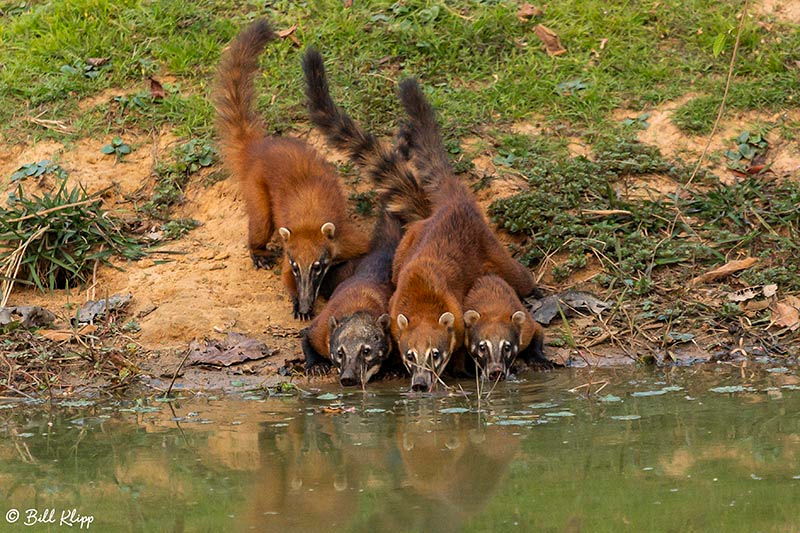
x=286 y=184
x=439 y=257
x=499 y=328
x=353 y=330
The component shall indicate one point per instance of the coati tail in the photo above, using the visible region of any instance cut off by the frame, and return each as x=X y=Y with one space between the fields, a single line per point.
x=420 y=135
x=237 y=122
x=398 y=189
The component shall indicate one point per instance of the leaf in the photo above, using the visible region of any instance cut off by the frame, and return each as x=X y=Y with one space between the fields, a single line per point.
x=725 y=270
x=543 y=405
x=124 y=149
x=233 y=349
x=97 y=61
x=747 y=151
x=327 y=396
x=289 y=32
x=642 y=394
x=729 y=389
x=526 y=11
x=107 y=149
x=786 y=313
x=454 y=410
x=680 y=337
x=157 y=91
x=719 y=44
x=626 y=417
x=743 y=137
x=560 y=414
x=550 y=39
x=610 y=398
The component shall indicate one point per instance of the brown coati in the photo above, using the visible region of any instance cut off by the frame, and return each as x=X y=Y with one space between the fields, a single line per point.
x=439 y=257
x=286 y=184
x=498 y=328
x=352 y=331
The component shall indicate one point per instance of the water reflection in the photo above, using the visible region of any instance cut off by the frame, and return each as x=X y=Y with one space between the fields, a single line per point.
x=385 y=461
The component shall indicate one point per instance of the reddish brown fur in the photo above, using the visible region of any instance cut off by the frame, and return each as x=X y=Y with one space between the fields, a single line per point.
x=496 y=302
x=285 y=182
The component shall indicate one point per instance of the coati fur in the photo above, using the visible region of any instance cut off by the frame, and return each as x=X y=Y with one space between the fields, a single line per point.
x=439 y=257
x=498 y=328
x=353 y=329
x=399 y=190
x=286 y=184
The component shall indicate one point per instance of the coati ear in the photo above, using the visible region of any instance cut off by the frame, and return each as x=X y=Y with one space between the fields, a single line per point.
x=518 y=318
x=384 y=321
x=285 y=233
x=447 y=319
x=471 y=317
x=328 y=229
x=402 y=322
x=332 y=322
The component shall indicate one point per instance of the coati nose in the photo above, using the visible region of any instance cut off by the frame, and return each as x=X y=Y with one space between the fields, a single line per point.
x=419 y=384
x=495 y=372
x=348 y=378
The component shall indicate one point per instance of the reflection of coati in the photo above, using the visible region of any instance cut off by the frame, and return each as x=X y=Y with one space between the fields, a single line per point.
x=353 y=329
x=285 y=182
x=498 y=328
x=439 y=257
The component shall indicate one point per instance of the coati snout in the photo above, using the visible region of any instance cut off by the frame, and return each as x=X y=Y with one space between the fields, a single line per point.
x=359 y=344
x=309 y=258
x=493 y=342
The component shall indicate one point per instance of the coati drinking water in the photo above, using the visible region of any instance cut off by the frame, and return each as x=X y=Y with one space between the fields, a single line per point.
x=286 y=184
x=499 y=328
x=439 y=257
x=353 y=330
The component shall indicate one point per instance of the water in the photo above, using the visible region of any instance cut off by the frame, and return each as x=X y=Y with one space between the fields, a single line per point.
x=675 y=456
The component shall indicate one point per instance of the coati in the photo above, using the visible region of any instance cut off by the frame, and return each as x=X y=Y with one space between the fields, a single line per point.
x=353 y=329
x=498 y=328
x=439 y=257
x=286 y=184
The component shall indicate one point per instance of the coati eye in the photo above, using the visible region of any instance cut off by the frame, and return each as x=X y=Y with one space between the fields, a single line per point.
x=340 y=352
x=316 y=267
x=506 y=348
x=410 y=355
x=436 y=354
x=482 y=348
x=366 y=350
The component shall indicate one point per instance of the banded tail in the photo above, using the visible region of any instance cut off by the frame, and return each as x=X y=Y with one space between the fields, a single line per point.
x=238 y=123
x=398 y=189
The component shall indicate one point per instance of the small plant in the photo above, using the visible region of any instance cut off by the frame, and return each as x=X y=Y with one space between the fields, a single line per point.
x=748 y=146
x=365 y=202
x=175 y=229
x=91 y=68
x=37 y=170
x=194 y=155
x=116 y=147
x=55 y=240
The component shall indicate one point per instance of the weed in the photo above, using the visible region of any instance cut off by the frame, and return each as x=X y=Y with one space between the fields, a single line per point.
x=37 y=170
x=117 y=148
x=175 y=229
x=365 y=202
x=56 y=239
x=748 y=147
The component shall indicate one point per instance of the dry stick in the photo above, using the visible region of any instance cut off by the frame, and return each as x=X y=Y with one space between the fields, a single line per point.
x=703 y=154
x=52 y=210
x=14 y=261
x=175 y=375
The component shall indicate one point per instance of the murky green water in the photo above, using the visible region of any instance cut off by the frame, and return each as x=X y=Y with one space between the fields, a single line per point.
x=669 y=455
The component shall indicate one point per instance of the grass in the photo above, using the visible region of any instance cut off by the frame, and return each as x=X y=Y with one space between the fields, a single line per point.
x=484 y=70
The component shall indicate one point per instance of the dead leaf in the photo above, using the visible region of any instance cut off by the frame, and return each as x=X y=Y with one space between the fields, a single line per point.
x=725 y=270
x=348 y=4
x=603 y=43
x=742 y=295
x=30 y=316
x=770 y=290
x=526 y=11
x=289 y=32
x=157 y=91
x=234 y=348
x=94 y=309
x=97 y=61
x=550 y=39
x=786 y=313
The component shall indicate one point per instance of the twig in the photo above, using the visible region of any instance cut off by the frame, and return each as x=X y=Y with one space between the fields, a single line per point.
x=53 y=210
x=175 y=375
x=13 y=262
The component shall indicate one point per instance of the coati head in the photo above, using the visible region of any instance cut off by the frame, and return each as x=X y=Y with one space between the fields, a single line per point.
x=426 y=348
x=493 y=341
x=309 y=256
x=359 y=344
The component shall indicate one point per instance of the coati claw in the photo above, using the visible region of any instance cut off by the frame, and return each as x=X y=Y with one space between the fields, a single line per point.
x=320 y=368
x=265 y=260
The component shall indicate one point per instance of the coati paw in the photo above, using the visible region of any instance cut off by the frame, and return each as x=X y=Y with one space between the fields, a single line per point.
x=320 y=368
x=265 y=259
